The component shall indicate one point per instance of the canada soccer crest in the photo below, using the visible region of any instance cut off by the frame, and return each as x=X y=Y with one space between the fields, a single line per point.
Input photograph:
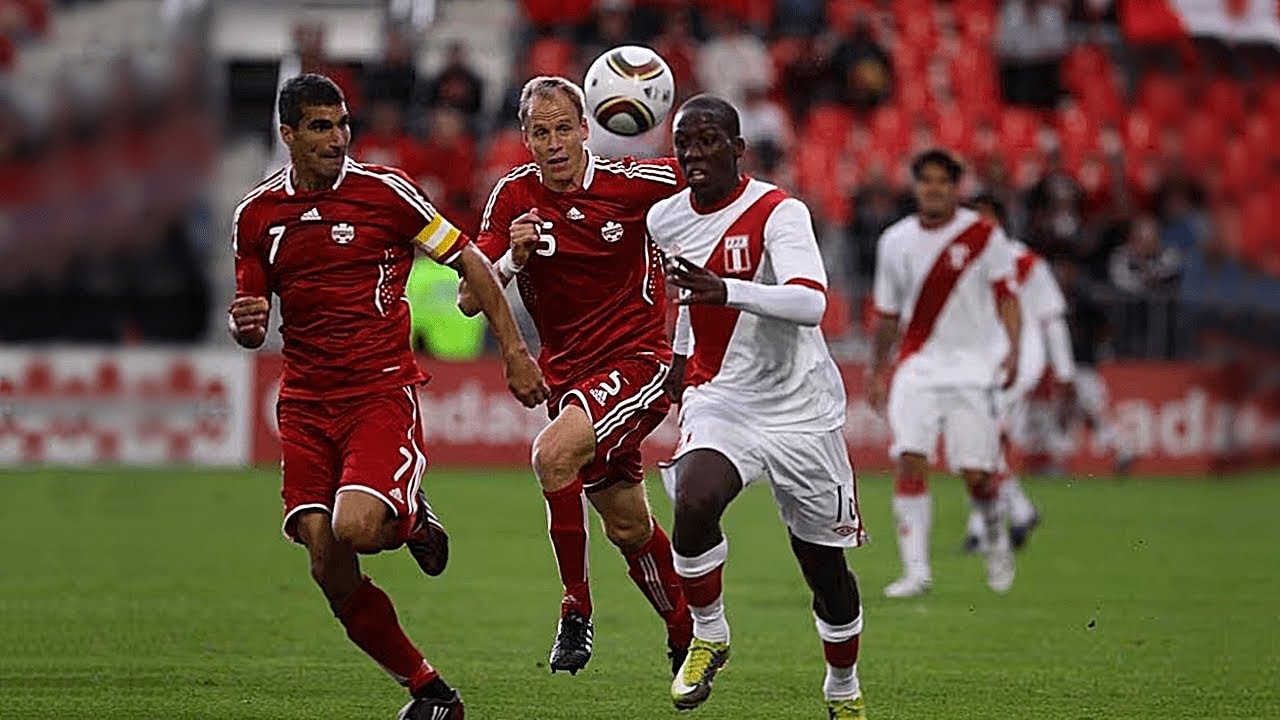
x=343 y=233
x=611 y=232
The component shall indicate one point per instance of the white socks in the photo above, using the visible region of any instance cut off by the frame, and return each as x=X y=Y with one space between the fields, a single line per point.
x=914 y=514
x=841 y=683
x=701 y=578
x=1017 y=505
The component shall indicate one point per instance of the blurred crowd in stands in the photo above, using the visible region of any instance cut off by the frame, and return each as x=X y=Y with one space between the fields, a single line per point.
x=104 y=234
x=1148 y=175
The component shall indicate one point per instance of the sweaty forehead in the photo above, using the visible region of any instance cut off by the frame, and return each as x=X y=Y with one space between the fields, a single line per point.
x=696 y=121
x=323 y=112
x=551 y=108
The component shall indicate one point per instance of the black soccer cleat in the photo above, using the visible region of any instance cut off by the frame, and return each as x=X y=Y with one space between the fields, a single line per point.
x=1019 y=534
x=572 y=648
x=433 y=708
x=429 y=543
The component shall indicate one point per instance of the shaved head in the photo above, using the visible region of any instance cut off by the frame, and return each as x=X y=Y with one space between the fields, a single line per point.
x=722 y=113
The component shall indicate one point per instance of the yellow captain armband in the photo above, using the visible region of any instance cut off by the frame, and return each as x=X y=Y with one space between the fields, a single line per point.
x=439 y=238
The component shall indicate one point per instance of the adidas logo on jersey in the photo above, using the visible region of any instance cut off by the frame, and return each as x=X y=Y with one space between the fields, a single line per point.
x=574 y=214
x=312 y=214
x=611 y=232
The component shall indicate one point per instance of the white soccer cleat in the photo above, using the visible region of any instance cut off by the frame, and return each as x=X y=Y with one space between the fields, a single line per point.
x=1000 y=565
x=908 y=586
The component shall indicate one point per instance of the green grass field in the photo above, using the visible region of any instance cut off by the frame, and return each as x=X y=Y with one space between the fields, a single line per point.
x=168 y=595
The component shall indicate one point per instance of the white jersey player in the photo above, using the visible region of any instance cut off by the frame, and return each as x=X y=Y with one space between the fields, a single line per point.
x=1045 y=343
x=761 y=396
x=943 y=275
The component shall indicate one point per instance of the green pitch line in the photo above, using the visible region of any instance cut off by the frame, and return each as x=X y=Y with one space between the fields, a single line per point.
x=170 y=594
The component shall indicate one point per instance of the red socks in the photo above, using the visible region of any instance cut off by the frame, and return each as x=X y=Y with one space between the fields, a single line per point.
x=371 y=623
x=652 y=570
x=567 y=525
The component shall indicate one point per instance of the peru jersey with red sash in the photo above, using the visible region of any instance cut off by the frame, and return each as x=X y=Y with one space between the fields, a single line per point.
x=777 y=373
x=939 y=282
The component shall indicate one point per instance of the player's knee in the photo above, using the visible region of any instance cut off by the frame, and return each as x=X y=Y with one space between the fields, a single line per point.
x=362 y=533
x=698 y=504
x=628 y=533
x=556 y=462
x=982 y=485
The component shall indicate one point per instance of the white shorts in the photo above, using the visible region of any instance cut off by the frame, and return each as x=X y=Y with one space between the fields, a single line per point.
x=809 y=472
x=967 y=417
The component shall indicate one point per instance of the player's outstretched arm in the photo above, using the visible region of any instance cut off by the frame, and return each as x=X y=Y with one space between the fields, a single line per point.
x=523 y=377
x=247 y=321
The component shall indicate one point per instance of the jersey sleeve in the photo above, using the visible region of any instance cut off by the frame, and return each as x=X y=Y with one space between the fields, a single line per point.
x=998 y=262
x=792 y=246
x=418 y=219
x=494 y=237
x=657 y=178
x=1042 y=293
x=247 y=243
x=888 y=288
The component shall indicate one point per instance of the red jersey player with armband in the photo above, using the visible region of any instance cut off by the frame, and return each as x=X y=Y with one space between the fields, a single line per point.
x=569 y=227
x=334 y=240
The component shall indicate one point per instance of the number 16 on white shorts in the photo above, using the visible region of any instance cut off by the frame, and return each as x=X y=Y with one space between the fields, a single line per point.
x=809 y=472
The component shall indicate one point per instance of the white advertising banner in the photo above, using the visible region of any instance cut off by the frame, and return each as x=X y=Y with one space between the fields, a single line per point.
x=131 y=407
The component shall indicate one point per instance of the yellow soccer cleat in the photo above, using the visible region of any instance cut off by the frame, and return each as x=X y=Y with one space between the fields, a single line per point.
x=692 y=684
x=854 y=709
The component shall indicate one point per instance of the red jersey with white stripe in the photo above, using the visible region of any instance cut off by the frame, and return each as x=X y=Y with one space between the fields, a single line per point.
x=940 y=282
x=338 y=259
x=778 y=373
x=594 y=287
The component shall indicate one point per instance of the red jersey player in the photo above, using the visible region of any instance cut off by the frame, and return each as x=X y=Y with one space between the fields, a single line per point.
x=570 y=228
x=334 y=239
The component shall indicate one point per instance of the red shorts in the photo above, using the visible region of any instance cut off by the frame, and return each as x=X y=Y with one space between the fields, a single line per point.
x=624 y=402
x=370 y=444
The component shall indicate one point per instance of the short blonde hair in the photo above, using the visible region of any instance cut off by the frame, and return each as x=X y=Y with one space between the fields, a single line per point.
x=545 y=85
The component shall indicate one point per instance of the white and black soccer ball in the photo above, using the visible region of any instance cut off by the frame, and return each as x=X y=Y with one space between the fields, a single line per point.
x=629 y=90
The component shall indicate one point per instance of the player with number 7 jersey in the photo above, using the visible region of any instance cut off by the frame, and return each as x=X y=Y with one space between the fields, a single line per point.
x=334 y=239
x=569 y=229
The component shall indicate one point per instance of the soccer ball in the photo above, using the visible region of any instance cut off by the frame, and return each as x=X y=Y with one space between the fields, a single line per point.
x=629 y=90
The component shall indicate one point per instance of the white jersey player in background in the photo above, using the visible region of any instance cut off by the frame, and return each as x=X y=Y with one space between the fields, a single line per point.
x=1046 y=344
x=943 y=287
x=761 y=397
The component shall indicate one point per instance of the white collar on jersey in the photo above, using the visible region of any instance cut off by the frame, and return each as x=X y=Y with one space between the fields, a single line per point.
x=288 y=175
x=590 y=173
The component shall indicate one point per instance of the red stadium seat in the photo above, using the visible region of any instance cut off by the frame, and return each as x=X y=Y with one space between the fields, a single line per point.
x=1076 y=130
x=1018 y=128
x=551 y=56
x=842 y=15
x=1083 y=65
x=828 y=124
x=506 y=150
x=1224 y=99
x=1139 y=132
x=1202 y=139
x=1162 y=97
x=953 y=129
x=889 y=128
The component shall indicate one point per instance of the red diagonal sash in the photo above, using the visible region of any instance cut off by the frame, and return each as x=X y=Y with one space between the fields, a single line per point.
x=941 y=280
